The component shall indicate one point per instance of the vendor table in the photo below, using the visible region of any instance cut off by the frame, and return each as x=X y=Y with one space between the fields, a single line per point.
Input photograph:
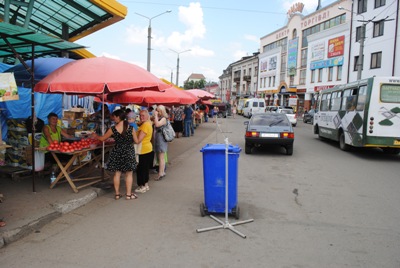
x=70 y=169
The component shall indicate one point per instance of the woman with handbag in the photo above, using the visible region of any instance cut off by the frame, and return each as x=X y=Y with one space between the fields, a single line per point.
x=160 y=145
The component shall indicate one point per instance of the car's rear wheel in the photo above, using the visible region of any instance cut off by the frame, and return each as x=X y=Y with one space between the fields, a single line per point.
x=247 y=148
x=289 y=149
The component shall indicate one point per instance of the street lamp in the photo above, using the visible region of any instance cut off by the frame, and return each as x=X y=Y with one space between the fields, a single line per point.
x=177 y=64
x=360 y=62
x=149 y=36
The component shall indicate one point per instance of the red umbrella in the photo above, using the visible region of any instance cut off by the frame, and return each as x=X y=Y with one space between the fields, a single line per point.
x=95 y=76
x=171 y=96
x=202 y=94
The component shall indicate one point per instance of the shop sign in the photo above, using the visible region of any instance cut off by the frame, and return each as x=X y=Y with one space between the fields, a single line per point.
x=8 y=87
x=336 y=47
x=319 y=88
x=317 y=51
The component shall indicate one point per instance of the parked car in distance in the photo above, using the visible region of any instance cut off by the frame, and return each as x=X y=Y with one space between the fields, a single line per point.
x=269 y=129
x=274 y=108
x=308 y=117
x=253 y=106
x=292 y=116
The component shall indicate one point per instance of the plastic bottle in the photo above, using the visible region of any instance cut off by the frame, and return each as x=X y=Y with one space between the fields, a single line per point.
x=53 y=177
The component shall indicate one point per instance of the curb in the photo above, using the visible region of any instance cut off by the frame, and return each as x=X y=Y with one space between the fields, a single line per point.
x=13 y=235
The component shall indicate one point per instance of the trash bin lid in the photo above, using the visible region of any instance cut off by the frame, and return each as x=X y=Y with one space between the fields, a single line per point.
x=220 y=147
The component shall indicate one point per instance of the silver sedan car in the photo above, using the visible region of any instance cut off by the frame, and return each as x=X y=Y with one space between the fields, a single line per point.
x=269 y=129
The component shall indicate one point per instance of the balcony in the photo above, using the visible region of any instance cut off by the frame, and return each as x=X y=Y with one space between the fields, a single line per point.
x=236 y=79
x=247 y=78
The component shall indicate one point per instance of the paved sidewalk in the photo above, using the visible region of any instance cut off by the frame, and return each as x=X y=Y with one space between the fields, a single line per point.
x=25 y=211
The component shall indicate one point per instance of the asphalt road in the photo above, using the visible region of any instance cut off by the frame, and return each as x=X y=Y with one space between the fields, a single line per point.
x=321 y=207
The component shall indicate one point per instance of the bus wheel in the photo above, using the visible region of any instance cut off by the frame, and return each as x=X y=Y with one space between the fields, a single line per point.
x=391 y=150
x=342 y=142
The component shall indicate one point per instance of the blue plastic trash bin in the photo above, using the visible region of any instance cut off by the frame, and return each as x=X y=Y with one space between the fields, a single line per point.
x=214 y=171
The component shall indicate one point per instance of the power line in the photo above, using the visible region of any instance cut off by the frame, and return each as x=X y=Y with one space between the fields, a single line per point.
x=205 y=7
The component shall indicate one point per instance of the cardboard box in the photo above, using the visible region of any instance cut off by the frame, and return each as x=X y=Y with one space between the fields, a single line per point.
x=71 y=115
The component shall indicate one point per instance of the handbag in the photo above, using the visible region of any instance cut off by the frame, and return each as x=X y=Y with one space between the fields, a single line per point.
x=168 y=132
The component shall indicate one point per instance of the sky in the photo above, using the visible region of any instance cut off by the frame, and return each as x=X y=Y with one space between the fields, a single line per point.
x=216 y=33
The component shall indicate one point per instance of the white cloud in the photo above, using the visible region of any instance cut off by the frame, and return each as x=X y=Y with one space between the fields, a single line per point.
x=136 y=35
x=238 y=54
x=252 y=38
x=201 y=52
x=108 y=55
x=192 y=18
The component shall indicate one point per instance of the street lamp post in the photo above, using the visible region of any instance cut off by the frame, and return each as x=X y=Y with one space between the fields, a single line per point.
x=149 y=36
x=360 y=62
x=177 y=64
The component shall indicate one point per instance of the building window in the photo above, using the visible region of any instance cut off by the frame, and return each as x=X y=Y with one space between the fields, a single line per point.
x=312 y=76
x=379 y=3
x=356 y=63
x=320 y=75
x=339 y=73
x=330 y=73
x=378 y=28
x=361 y=6
x=302 y=77
x=376 y=59
x=358 y=33
x=273 y=81
x=291 y=80
x=303 y=58
x=269 y=81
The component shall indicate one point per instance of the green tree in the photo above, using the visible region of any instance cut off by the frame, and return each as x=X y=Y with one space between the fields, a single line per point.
x=194 y=84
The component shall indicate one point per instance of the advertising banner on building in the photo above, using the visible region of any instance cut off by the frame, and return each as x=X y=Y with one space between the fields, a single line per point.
x=336 y=47
x=8 y=87
x=326 y=63
x=292 y=56
x=318 y=51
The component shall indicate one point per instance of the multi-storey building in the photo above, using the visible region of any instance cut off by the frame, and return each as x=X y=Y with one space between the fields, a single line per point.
x=226 y=84
x=322 y=50
x=286 y=55
x=244 y=76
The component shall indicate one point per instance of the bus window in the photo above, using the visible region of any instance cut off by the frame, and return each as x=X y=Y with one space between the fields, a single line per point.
x=349 y=99
x=325 y=102
x=390 y=93
x=336 y=100
x=362 y=96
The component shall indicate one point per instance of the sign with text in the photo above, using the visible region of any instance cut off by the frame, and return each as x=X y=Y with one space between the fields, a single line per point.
x=336 y=47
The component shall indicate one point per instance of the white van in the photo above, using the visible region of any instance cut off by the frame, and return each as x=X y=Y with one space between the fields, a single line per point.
x=254 y=106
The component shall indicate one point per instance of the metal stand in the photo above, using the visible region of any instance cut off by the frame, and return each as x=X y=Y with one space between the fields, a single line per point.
x=226 y=224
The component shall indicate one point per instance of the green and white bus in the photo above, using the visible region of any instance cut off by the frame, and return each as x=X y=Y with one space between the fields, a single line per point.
x=364 y=113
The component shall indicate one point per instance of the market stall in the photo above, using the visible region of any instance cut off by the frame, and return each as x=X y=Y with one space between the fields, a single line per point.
x=90 y=157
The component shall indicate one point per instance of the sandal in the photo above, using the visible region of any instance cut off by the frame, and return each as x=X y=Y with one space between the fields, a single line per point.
x=160 y=177
x=131 y=196
x=118 y=196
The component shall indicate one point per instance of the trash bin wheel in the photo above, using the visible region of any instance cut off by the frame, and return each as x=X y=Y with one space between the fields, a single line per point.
x=203 y=210
x=236 y=212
